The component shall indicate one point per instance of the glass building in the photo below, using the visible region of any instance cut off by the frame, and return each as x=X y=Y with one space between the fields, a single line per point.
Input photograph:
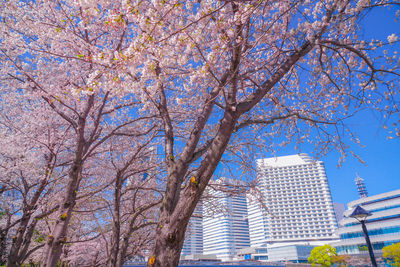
x=383 y=225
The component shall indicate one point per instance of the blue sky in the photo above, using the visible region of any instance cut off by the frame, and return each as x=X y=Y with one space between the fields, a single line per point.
x=381 y=171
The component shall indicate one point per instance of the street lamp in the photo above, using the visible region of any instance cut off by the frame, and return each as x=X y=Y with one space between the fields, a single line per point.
x=361 y=215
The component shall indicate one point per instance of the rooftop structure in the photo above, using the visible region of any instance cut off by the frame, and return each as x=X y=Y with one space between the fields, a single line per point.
x=362 y=190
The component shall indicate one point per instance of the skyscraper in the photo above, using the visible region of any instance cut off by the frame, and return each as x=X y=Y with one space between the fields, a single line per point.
x=225 y=225
x=293 y=203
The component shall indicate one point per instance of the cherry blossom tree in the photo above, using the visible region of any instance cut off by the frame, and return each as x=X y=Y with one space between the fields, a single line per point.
x=89 y=116
x=123 y=215
x=30 y=150
x=213 y=73
x=292 y=68
x=115 y=224
x=35 y=156
x=33 y=147
x=134 y=206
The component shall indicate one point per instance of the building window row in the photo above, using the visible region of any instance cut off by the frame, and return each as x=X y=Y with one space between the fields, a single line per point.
x=381 y=231
x=363 y=248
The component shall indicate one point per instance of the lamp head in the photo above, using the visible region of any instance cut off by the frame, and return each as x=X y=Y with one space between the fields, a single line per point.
x=360 y=214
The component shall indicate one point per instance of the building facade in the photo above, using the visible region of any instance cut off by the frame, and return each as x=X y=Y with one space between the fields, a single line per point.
x=383 y=225
x=292 y=253
x=293 y=204
x=225 y=225
x=339 y=208
x=193 y=244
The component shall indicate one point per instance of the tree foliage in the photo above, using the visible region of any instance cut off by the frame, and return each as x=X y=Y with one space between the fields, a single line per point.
x=322 y=255
x=203 y=81
x=392 y=254
x=341 y=260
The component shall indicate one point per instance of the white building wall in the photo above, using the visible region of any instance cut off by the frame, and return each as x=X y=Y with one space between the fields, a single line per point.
x=225 y=232
x=296 y=193
x=258 y=221
x=194 y=234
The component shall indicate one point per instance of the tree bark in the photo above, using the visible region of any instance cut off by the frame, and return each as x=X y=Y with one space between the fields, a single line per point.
x=172 y=224
x=21 y=242
x=27 y=241
x=3 y=239
x=13 y=256
x=57 y=238
x=3 y=246
x=115 y=241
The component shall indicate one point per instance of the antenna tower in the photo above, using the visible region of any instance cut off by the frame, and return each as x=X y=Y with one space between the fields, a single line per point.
x=362 y=190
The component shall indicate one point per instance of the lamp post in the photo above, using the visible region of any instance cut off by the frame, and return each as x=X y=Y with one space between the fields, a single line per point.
x=361 y=215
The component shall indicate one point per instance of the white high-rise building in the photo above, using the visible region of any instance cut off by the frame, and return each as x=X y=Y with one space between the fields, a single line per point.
x=225 y=225
x=293 y=203
x=193 y=244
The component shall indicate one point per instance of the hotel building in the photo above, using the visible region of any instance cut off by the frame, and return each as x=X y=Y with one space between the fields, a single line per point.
x=292 y=205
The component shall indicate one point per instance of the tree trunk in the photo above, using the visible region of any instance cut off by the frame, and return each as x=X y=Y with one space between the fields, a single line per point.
x=126 y=236
x=56 y=239
x=13 y=256
x=3 y=246
x=172 y=224
x=27 y=241
x=115 y=241
x=58 y=236
x=3 y=239
x=168 y=244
